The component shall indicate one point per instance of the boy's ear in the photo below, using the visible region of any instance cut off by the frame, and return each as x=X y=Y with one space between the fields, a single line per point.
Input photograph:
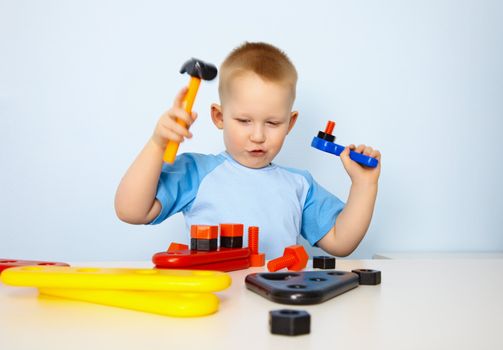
x=293 y=119
x=217 y=116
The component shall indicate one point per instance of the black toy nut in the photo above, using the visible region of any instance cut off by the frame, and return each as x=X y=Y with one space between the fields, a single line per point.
x=368 y=277
x=323 y=262
x=289 y=322
x=203 y=244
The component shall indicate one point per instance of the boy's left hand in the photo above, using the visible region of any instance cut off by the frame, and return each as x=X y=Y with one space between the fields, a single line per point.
x=357 y=172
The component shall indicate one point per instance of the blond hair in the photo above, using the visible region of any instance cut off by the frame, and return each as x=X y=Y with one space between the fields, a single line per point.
x=265 y=60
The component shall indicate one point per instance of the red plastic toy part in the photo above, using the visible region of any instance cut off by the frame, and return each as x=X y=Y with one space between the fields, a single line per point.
x=231 y=230
x=256 y=259
x=253 y=239
x=294 y=258
x=204 y=232
x=203 y=237
x=6 y=263
x=224 y=266
x=204 y=253
x=173 y=247
x=330 y=127
x=190 y=258
x=231 y=235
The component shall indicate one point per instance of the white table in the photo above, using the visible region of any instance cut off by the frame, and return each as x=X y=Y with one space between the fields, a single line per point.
x=438 y=255
x=421 y=304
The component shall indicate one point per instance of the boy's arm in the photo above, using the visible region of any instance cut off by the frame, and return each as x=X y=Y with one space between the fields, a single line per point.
x=354 y=220
x=135 y=200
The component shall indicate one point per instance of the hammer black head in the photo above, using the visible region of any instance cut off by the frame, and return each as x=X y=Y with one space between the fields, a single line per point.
x=199 y=69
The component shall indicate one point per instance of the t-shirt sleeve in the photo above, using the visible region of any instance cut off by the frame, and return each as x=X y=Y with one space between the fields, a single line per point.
x=178 y=185
x=320 y=211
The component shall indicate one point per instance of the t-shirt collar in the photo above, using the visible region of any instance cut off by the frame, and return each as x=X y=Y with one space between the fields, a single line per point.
x=227 y=156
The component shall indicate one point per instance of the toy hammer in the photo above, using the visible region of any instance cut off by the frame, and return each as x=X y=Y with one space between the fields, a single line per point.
x=197 y=70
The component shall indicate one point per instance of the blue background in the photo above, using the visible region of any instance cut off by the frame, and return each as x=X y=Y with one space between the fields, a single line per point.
x=83 y=83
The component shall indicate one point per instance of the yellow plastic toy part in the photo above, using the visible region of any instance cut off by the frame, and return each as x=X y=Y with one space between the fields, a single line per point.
x=163 y=303
x=116 y=278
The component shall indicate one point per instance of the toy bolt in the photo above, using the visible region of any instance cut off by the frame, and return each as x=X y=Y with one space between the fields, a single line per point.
x=253 y=239
x=256 y=259
x=294 y=258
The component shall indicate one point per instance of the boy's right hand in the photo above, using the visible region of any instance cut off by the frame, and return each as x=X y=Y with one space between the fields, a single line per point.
x=167 y=129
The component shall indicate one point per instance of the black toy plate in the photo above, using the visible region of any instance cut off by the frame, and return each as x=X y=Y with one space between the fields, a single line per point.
x=301 y=288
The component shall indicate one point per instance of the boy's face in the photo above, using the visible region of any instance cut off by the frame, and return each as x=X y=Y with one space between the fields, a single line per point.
x=255 y=117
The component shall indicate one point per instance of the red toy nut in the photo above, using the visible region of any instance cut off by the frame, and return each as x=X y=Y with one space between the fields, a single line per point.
x=231 y=230
x=204 y=232
x=257 y=260
x=294 y=258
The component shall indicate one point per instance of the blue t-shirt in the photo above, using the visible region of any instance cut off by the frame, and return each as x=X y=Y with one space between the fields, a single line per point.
x=282 y=202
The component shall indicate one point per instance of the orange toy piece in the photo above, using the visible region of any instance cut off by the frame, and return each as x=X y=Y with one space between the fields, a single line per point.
x=253 y=239
x=231 y=235
x=256 y=259
x=203 y=237
x=173 y=247
x=204 y=231
x=231 y=230
x=294 y=258
x=330 y=127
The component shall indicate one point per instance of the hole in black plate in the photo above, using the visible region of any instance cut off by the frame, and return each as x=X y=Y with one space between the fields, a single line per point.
x=278 y=276
x=336 y=273
x=317 y=279
x=296 y=286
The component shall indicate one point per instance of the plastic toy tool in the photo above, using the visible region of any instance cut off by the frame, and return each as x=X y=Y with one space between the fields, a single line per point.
x=325 y=142
x=6 y=263
x=197 y=70
x=166 y=292
x=116 y=278
x=175 y=304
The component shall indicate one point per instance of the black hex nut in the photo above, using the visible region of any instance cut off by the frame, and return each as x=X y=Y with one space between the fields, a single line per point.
x=323 y=262
x=203 y=244
x=327 y=137
x=231 y=242
x=289 y=322
x=368 y=276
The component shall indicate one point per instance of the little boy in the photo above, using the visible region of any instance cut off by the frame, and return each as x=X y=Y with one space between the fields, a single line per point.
x=257 y=87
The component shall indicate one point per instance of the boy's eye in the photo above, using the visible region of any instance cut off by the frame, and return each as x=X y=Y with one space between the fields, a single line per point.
x=273 y=123
x=244 y=121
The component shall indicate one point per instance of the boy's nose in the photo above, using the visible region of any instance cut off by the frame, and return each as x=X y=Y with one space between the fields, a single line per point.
x=258 y=134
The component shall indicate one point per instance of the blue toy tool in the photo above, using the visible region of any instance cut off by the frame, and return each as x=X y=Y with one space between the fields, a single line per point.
x=325 y=142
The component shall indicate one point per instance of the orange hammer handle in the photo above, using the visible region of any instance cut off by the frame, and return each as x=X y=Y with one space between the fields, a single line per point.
x=188 y=102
